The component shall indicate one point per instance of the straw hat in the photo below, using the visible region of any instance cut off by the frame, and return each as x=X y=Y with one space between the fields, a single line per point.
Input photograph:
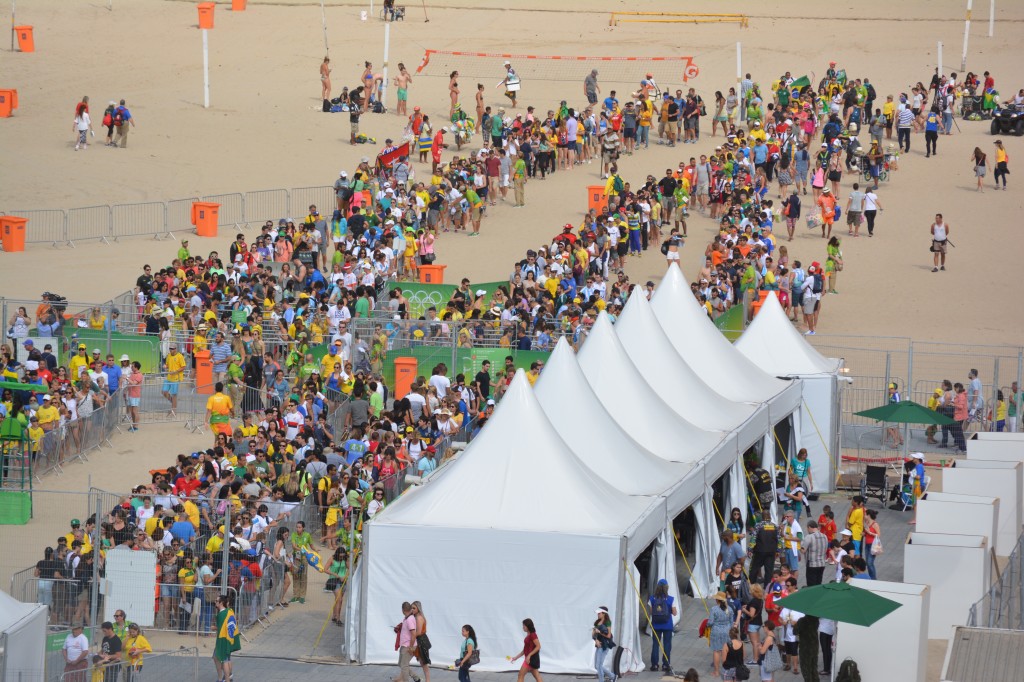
x=720 y=596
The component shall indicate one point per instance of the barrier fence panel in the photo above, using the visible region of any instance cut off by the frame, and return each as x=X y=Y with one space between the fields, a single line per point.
x=1003 y=605
x=232 y=208
x=322 y=197
x=90 y=222
x=163 y=401
x=46 y=226
x=130 y=220
x=267 y=204
x=164 y=666
x=179 y=214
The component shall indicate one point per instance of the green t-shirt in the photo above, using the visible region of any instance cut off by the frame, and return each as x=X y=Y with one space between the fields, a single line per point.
x=748 y=281
x=300 y=540
x=235 y=372
x=307 y=370
x=376 y=403
x=520 y=168
x=362 y=307
x=496 y=126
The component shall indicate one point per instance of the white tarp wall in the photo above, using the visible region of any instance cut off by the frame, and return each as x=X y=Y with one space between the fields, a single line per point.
x=956 y=567
x=663 y=565
x=23 y=632
x=896 y=647
x=992 y=479
x=1005 y=450
x=967 y=514
x=737 y=497
x=492 y=580
x=130 y=582
x=820 y=426
x=704 y=581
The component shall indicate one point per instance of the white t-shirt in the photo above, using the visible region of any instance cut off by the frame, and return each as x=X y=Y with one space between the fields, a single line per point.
x=83 y=122
x=870 y=201
x=441 y=383
x=790 y=617
x=75 y=646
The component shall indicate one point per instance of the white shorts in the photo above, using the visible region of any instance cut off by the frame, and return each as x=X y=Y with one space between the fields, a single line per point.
x=504 y=181
x=672 y=255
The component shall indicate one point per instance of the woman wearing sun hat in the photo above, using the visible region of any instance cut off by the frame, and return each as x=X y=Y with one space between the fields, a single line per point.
x=720 y=619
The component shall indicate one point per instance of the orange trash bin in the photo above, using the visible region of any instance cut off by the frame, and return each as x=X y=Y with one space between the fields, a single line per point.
x=432 y=274
x=238 y=5
x=405 y=374
x=26 y=41
x=8 y=102
x=204 y=373
x=206 y=14
x=12 y=233
x=596 y=198
x=204 y=217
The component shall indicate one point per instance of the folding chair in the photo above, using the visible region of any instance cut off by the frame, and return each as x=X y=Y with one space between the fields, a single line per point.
x=875 y=483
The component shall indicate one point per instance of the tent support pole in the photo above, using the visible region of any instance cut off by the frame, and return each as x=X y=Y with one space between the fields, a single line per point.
x=620 y=597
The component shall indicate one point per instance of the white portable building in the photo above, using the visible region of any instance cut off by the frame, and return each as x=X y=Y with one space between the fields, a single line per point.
x=987 y=478
x=958 y=570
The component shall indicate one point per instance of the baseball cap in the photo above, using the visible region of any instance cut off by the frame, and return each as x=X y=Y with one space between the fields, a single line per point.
x=81 y=346
x=917 y=455
x=847 y=531
x=28 y=343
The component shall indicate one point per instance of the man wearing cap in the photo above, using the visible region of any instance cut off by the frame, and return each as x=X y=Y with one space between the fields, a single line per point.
x=427 y=463
x=174 y=365
x=48 y=415
x=78 y=362
x=762 y=548
x=76 y=655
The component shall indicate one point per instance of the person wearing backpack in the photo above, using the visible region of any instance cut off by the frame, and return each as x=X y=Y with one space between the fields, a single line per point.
x=663 y=609
x=122 y=120
x=811 y=291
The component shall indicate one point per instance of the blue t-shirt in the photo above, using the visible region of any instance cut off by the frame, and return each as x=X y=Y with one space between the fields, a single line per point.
x=354 y=450
x=662 y=626
x=183 y=530
x=760 y=153
x=931 y=123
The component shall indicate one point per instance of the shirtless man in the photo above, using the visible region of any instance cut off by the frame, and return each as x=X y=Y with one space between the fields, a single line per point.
x=402 y=81
x=325 y=78
x=480 y=108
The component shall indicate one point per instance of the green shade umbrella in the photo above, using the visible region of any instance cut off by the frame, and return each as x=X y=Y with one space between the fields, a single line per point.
x=906 y=412
x=841 y=602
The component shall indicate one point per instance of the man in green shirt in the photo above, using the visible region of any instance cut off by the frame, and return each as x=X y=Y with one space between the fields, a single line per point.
x=376 y=400
x=519 y=179
x=302 y=542
x=236 y=385
x=476 y=210
x=362 y=303
x=183 y=254
x=308 y=367
x=748 y=285
x=1015 y=401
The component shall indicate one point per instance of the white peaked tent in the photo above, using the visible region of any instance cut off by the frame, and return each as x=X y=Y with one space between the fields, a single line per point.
x=679 y=386
x=602 y=445
x=776 y=347
x=637 y=409
x=22 y=638
x=517 y=527
x=717 y=362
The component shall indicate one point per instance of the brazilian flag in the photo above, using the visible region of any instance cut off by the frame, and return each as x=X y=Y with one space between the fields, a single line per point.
x=228 y=636
x=801 y=82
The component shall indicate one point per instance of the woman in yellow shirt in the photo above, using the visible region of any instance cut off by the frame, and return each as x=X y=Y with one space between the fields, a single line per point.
x=1002 y=160
x=135 y=645
x=96 y=319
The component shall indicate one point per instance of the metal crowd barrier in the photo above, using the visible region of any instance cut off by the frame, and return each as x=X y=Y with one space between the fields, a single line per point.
x=74 y=439
x=163 y=666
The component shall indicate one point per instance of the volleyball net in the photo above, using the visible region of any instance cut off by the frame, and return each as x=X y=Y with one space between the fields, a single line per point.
x=488 y=68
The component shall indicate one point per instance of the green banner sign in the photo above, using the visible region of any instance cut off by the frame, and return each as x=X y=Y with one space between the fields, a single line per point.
x=422 y=296
x=731 y=323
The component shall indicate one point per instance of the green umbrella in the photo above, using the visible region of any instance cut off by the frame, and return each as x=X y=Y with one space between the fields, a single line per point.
x=906 y=412
x=841 y=602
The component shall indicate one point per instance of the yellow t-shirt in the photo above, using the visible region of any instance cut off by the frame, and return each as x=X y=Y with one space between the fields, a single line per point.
x=888 y=109
x=1000 y=155
x=187 y=576
x=212 y=545
x=140 y=645
x=175 y=367
x=220 y=407
x=35 y=434
x=249 y=431
x=327 y=363
x=198 y=343
x=856 y=524
x=86 y=542
x=192 y=511
x=47 y=415
x=76 y=364
x=151 y=525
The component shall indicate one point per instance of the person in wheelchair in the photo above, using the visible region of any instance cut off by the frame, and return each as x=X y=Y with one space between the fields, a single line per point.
x=391 y=13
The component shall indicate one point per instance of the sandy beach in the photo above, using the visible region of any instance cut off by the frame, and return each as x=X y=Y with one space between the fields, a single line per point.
x=264 y=130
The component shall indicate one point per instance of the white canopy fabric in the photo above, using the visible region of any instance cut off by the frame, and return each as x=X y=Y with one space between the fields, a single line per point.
x=636 y=407
x=516 y=525
x=600 y=442
x=706 y=350
x=771 y=343
x=678 y=386
x=23 y=626
x=519 y=474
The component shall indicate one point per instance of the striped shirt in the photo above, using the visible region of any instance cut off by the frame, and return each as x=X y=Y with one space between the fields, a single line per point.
x=815 y=545
x=906 y=118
